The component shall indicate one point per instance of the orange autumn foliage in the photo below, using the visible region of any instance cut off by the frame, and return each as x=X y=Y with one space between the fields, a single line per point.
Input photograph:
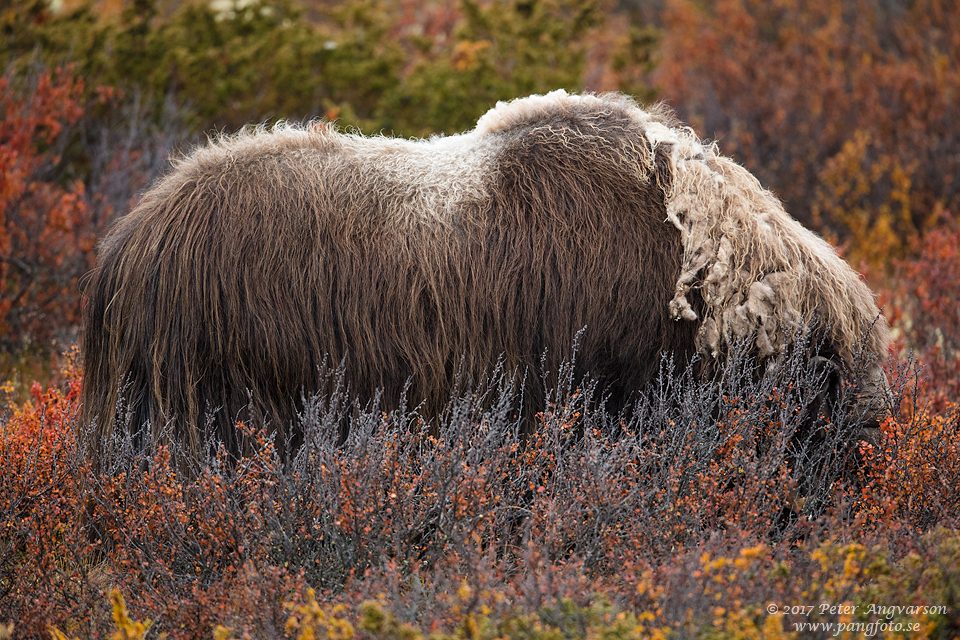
x=41 y=548
x=922 y=303
x=846 y=109
x=436 y=526
x=45 y=236
x=912 y=474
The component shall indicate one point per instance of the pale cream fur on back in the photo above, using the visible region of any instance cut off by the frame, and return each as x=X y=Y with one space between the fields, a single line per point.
x=426 y=181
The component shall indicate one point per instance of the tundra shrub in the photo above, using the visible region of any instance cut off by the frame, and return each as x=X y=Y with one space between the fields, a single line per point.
x=463 y=522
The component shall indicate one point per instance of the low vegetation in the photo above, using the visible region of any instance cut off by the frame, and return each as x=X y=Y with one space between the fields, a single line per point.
x=688 y=514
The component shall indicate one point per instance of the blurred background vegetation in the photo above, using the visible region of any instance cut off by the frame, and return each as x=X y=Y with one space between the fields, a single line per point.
x=847 y=109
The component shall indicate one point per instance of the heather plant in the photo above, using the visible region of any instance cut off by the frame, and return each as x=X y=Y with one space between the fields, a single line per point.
x=408 y=512
x=46 y=563
x=912 y=470
x=729 y=589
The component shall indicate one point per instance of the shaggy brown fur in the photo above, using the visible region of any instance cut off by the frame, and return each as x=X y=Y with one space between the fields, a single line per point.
x=265 y=252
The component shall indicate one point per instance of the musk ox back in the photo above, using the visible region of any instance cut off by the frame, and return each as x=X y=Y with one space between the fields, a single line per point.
x=259 y=256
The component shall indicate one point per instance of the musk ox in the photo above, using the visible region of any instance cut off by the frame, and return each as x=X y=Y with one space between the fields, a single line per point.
x=265 y=252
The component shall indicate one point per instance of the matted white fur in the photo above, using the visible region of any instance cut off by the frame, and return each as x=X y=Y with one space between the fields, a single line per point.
x=760 y=272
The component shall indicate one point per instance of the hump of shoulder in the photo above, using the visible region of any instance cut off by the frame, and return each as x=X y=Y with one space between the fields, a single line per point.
x=558 y=107
x=596 y=139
